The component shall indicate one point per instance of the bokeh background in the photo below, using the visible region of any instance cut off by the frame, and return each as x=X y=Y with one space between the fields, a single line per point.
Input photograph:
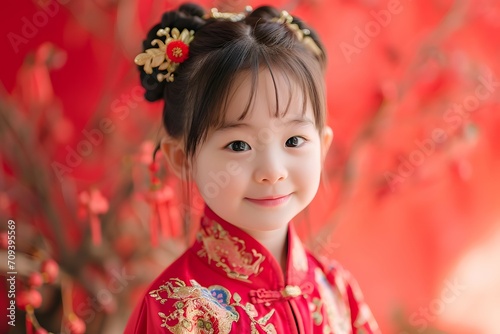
x=411 y=205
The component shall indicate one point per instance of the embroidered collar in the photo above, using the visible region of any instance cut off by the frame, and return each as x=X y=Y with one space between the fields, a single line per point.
x=240 y=257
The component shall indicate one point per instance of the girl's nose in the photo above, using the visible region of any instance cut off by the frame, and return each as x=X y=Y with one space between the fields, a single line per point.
x=270 y=170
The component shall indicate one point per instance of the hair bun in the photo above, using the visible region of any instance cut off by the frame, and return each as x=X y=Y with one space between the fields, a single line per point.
x=192 y=9
x=188 y=16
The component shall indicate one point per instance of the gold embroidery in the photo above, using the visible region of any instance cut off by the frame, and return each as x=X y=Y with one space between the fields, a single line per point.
x=229 y=253
x=315 y=308
x=337 y=313
x=202 y=310
x=249 y=309
x=196 y=306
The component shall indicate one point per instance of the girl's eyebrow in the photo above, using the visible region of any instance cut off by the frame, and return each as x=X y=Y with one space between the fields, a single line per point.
x=235 y=125
x=232 y=125
x=300 y=121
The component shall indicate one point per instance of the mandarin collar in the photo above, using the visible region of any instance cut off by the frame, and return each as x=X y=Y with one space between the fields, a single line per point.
x=235 y=254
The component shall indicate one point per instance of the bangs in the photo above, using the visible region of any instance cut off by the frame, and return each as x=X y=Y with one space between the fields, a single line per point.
x=210 y=85
x=298 y=77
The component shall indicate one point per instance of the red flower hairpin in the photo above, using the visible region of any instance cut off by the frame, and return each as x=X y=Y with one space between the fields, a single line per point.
x=167 y=55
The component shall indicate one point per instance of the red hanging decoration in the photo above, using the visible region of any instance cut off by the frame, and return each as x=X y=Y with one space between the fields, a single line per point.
x=74 y=324
x=159 y=197
x=93 y=204
x=49 y=270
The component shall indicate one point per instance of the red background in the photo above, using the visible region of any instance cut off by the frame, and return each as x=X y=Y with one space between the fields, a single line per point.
x=410 y=213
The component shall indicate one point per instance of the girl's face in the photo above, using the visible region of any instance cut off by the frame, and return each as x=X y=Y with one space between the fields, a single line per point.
x=259 y=172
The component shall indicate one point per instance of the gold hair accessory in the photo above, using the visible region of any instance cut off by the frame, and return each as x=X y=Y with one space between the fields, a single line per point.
x=234 y=17
x=167 y=55
x=303 y=35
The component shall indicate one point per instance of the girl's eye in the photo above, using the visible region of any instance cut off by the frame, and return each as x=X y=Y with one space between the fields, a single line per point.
x=294 y=141
x=238 y=146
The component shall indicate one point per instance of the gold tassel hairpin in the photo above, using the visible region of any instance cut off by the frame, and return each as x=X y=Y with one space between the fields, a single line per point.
x=303 y=35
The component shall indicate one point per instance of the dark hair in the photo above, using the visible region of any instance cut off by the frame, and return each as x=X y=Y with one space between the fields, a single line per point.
x=220 y=50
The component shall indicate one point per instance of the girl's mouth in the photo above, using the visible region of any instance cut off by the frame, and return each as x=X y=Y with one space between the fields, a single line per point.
x=270 y=201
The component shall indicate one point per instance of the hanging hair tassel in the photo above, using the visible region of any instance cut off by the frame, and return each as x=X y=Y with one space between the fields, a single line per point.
x=159 y=196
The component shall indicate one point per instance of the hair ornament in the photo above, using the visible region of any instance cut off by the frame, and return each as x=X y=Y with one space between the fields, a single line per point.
x=166 y=55
x=303 y=35
x=234 y=17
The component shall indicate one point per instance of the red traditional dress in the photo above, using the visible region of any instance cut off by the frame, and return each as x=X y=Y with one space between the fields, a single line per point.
x=227 y=282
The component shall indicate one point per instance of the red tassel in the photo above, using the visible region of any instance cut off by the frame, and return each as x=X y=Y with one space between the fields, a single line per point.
x=92 y=204
x=95 y=229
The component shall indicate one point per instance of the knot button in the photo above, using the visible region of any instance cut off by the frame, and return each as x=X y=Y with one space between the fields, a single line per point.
x=291 y=291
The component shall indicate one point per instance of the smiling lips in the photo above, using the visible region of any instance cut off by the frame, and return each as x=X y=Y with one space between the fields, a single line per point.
x=270 y=201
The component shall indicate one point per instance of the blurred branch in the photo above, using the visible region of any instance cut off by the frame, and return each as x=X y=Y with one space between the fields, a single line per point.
x=35 y=179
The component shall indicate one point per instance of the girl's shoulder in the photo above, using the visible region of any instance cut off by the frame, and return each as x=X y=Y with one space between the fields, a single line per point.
x=334 y=277
x=331 y=268
x=338 y=277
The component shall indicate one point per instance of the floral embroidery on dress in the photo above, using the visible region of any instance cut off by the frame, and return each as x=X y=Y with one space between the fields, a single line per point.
x=250 y=310
x=197 y=309
x=229 y=252
x=315 y=309
x=223 y=296
x=206 y=310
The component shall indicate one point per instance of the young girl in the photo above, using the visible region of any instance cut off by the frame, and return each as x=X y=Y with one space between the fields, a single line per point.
x=245 y=120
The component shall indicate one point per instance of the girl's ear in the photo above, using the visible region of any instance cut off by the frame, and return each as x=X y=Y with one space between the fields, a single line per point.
x=175 y=155
x=326 y=140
